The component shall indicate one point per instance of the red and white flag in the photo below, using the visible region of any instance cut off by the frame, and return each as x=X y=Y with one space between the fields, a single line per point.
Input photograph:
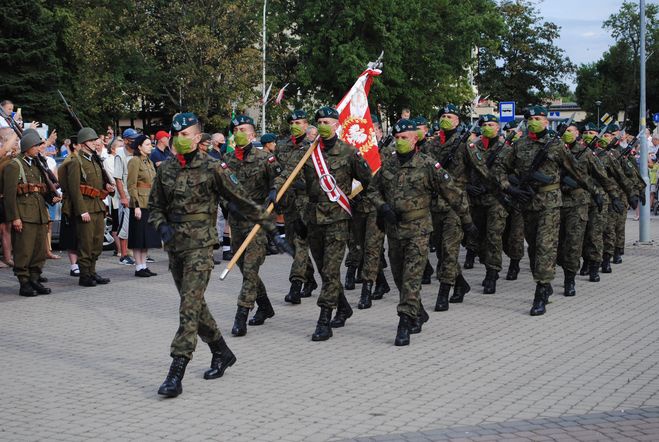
x=280 y=95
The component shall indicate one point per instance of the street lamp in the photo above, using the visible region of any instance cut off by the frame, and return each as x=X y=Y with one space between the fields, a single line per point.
x=598 y=103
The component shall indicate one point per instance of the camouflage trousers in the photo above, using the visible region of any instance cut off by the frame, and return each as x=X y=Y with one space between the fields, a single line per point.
x=571 y=236
x=513 y=235
x=365 y=245
x=90 y=242
x=609 y=234
x=593 y=243
x=448 y=235
x=491 y=222
x=541 y=229
x=29 y=248
x=249 y=264
x=407 y=259
x=327 y=243
x=302 y=268
x=620 y=221
x=191 y=270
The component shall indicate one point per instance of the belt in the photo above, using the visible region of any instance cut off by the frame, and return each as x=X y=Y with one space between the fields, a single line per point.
x=415 y=214
x=22 y=189
x=141 y=185
x=182 y=218
x=549 y=187
x=92 y=192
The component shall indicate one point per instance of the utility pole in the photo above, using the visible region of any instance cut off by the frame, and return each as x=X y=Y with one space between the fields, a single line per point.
x=265 y=5
x=644 y=222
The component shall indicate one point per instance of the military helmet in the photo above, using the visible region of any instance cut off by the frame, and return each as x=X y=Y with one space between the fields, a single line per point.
x=30 y=139
x=86 y=134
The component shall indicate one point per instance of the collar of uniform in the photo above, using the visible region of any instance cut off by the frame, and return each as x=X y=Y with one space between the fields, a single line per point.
x=197 y=160
x=412 y=162
x=27 y=159
x=336 y=149
x=250 y=155
x=87 y=156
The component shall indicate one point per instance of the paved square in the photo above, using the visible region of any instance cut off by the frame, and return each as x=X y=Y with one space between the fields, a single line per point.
x=85 y=364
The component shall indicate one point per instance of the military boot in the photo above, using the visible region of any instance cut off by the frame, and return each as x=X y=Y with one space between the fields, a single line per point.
x=469 y=259
x=38 y=287
x=416 y=325
x=442 y=297
x=101 y=280
x=222 y=359
x=403 y=333
x=323 y=329
x=593 y=268
x=461 y=288
x=264 y=311
x=359 y=279
x=240 y=322
x=172 y=386
x=584 y=268
x=343 y=312
x=540 y=299
x=350 y=278
x=26 y=289
x=606 y=263
x=86 y=280
x=309 y=287
x=617 y=256
x=490 y=282
x=294 y=293
x=381 y=286
x=365 y=299
x=513 y=270
x=427 y=273
x=570 y=285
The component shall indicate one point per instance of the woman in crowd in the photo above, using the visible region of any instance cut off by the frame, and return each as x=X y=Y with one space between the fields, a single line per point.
x=113 y=200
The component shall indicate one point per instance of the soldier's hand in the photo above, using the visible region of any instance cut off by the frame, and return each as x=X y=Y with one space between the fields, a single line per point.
x=387 y=213
x=85 y=217
x=138 y=213
x=641 y=197
x=523 y=196
x=109 y=188
x=283 y=245
x=599 y=201
x=17 y=224
x=633 y=201
x=56 y=199
x=272 y=197
x=300 y=228
x=299 y=185
x=470 y=230
x=617 y=205
x=473 y=190
x=123 y=202
x=166 y=232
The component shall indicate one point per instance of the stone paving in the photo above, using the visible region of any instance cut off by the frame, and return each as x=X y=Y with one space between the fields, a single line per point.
x=85 y=364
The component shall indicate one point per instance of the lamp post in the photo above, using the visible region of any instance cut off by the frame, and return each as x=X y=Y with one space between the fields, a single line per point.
x=598 y=103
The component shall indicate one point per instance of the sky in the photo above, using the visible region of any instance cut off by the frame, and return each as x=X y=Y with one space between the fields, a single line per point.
x=582 y=36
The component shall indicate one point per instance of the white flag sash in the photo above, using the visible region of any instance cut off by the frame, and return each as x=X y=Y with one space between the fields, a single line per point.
x=328 y=182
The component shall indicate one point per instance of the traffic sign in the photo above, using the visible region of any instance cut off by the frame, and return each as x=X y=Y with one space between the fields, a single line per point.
x=506 y=111
x=655 y=118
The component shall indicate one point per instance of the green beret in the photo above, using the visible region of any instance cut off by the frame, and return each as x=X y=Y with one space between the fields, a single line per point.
x=268 y=138
x=537 y=111
x=590 y=126
x=507 y=127
x=86 y=134
x=477 y=130
x=487 y=118
x=327 y=112
x=30 y=139
x=435 y=126
x=404 y=126
x=611 y=128
x=449 y=109
x=420 y=121
x=374 y=118
x=297 y=114
x=239 y=120
x=183 y=121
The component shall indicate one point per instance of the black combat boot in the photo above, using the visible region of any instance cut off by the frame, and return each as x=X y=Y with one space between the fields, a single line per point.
x=323 y=329
x=490 y=282
x=416 y=325
x=359 y=279
x=540 y=299
x=264 y=311
x=86 y=280
x=42 y=279
x=26 y=289
x=606 y=263
x=427 y=273
x=309 y=287
x=222 y=359
x=403 y=333
x=240 y=322
x=172 y=386
x=39 y=288
x=343 y=312
x=461 y=288
x=617 y=256
x=442 y=297
x=593 y=268
x=365 y=298
x=381 y=286
x=101 y=280
x=513 y=270
x=469 y=259
x=350 y=278
x=294 y=293
x=570 y=285
x=584 y=268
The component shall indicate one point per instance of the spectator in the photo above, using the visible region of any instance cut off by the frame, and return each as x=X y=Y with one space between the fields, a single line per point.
x=121 y=176
x=205 y=142
x=405 y=114
x=8 y=145
x=65 y=148
x=8 y=108
x=312 y=133
x=653 y=169
x=141 y=234
x=161 y=152
x=217 y=142
x=113 y=200
x=47 y=150
x=654 y=145
x=68 y=234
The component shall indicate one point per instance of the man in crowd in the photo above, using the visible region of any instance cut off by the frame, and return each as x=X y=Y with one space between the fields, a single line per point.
x=161 y=152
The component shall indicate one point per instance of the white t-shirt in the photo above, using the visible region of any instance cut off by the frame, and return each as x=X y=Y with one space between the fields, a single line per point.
x=121 y=171
x=52 y=164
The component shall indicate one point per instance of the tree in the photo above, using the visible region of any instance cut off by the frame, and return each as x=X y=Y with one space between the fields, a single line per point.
x=527 y=67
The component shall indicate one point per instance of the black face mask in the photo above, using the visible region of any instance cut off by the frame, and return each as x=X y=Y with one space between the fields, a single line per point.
x=405 y=157
x=190 y=155
x=330 y=143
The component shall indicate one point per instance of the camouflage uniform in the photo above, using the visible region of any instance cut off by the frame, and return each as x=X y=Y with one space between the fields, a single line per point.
x=186 y=198
x=409 y=189
x=630 y=169
x=256 y=172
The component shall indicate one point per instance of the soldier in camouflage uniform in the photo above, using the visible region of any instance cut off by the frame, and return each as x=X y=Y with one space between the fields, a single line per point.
x=513 y=234
x=326 y=222
x=256 y=171
x=289 y=153
x=25 y=208
x=403 y=190
x=183 y=207
x=542 y=201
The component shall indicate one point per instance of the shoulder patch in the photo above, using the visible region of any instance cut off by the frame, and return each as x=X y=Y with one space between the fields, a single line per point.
x=271 y=159
x=233 y=178
x=438 y=166
x=446 y=176
x=224 y=165
x=472 y=145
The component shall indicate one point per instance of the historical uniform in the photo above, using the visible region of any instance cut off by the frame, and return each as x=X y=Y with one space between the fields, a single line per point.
x=403 y=190
x=25 y=209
